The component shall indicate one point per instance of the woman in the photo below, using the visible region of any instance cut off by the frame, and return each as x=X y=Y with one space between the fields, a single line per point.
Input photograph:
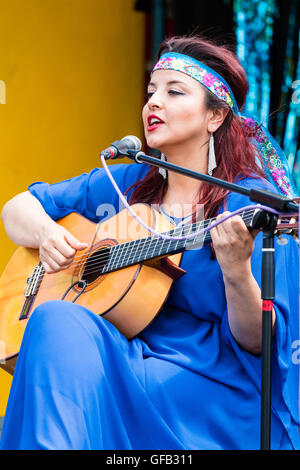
x=191 y=379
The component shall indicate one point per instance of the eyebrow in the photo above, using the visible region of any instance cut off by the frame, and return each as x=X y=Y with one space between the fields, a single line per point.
x=172 y=82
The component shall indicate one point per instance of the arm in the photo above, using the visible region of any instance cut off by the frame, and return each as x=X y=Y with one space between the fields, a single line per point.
x=27 y=224
x=234 y=245
x=24 y=217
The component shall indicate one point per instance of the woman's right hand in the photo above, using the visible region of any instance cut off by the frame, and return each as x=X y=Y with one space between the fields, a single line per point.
x=57 y=247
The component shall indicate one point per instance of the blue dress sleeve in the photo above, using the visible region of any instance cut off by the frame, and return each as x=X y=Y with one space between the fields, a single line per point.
x=85 y=193
x=285 y=359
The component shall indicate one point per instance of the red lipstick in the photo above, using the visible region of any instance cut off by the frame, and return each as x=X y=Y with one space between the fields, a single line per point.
x=153 y=122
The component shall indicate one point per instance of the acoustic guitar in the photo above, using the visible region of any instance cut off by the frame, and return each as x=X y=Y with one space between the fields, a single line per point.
x=124 y=275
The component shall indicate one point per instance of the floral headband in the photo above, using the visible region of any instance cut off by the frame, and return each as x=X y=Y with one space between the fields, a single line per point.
x=275 y=162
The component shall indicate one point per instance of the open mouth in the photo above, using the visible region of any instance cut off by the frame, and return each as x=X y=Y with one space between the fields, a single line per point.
x=154 y=122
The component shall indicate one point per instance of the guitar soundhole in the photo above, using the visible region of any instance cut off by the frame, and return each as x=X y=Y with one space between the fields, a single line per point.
x=95 y=264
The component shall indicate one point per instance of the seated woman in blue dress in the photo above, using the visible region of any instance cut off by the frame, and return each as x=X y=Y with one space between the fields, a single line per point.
x=192 y=378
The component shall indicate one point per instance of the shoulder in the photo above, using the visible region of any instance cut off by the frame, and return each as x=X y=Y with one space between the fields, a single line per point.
x=124 y=175
x=123 y=172
x=256 y=182
x=85 y=192
x=236 y=201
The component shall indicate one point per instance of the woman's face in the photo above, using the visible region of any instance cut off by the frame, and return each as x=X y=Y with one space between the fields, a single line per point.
x=175 y=113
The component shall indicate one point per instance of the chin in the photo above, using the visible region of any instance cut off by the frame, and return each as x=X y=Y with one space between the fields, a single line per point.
x=155 y=143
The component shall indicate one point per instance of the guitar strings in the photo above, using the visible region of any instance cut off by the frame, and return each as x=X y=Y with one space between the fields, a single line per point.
x=176 y=232
x=100 y=257
x=62 y=272
x=96 y=263
x=246 y=215
x=142 y=250
x=129 y=246
x=148 y=240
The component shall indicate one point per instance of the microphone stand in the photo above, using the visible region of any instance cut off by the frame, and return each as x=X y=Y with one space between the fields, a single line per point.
x=280 y=204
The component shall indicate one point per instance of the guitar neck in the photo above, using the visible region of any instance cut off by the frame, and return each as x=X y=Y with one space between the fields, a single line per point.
x=140 y=250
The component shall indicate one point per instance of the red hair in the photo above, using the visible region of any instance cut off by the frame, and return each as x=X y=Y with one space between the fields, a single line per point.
x=235 y=154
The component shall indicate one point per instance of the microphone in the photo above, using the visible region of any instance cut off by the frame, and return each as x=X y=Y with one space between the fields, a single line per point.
x=121 y=147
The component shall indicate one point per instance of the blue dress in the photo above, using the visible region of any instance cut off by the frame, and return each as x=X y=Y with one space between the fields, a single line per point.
x=183 y=383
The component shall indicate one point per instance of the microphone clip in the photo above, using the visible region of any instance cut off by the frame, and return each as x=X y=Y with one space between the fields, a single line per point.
x=135 y=154
x=111 y=152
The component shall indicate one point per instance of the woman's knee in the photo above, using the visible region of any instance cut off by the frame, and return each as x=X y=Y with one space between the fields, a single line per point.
x=50 y=313
x=58 y=334
x=59 y=318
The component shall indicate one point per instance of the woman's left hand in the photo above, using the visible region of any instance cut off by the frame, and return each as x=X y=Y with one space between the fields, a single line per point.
x=233 y=244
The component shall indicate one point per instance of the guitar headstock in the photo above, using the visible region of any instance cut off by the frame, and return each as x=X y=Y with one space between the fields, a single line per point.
x=289 y=223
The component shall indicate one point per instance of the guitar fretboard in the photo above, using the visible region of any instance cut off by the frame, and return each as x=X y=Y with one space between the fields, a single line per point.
x=136 y=251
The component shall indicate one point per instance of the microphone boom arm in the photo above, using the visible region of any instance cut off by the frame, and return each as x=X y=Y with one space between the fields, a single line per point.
x=267 y=198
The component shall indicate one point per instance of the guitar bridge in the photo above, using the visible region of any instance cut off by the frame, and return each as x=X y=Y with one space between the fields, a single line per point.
x=33 y=283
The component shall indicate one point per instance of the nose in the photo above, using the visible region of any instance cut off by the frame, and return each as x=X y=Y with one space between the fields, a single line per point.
x=155 y=101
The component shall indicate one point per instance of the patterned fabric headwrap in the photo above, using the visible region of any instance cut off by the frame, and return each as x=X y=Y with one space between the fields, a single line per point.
x=275 y=162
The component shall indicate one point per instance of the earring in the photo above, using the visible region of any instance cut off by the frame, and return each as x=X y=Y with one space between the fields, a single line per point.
x=211 y=155
x=163 y=171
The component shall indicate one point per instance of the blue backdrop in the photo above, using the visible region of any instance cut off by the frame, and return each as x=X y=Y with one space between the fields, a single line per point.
x=267 y=33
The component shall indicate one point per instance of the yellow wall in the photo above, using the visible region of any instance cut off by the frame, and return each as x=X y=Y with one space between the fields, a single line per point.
x=73 y=74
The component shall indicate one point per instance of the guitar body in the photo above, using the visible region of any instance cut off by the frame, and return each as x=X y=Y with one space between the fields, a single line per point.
x=129 y=298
